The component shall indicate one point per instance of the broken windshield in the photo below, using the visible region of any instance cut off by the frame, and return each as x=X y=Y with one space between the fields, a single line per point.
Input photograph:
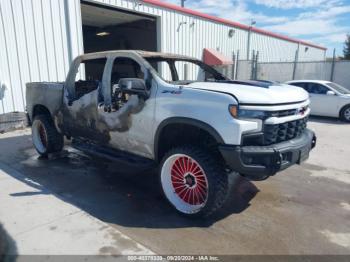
x=184 y=71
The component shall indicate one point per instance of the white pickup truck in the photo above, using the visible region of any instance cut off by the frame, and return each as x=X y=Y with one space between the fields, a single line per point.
x=200 y=129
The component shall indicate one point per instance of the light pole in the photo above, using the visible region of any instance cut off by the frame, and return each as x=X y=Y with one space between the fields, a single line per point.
x=249 y=35
x=183 y=3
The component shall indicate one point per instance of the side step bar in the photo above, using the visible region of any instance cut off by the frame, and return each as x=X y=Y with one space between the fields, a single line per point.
x=125 y=159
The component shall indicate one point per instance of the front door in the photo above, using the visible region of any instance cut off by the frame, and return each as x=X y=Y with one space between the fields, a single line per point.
x=321 y=103
x=130 y=119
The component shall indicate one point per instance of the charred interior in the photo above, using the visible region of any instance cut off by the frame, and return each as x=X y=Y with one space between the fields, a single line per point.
x=91 y=110
x=106 y=28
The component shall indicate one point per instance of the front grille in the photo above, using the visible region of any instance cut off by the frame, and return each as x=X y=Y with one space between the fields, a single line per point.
x=289 y=112
x=283 y=132
x=284 y=113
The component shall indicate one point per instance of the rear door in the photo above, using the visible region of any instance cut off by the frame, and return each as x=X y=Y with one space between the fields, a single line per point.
x=83 y=94
x=96 y=108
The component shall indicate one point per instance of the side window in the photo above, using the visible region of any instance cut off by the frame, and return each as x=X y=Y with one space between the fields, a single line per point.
x=124 y=67
x=188 y=71
x=89 y=76
x=164 y=68
x=317 y=89
x=302 y=85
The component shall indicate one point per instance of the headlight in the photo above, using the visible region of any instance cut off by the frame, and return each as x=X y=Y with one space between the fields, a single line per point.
x=257 y=114
x=247 y=114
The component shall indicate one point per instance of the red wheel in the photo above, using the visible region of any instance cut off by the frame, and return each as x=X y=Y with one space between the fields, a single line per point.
x=193 y=181
x=42 y=135
x=189 y=180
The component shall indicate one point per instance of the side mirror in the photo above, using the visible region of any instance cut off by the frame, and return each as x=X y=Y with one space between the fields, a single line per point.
x=331 y=93
x=134 y=86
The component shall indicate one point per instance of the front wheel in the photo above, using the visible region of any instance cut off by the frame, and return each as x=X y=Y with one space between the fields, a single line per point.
x=345 y=114
x=46 y=138
x=193 y=181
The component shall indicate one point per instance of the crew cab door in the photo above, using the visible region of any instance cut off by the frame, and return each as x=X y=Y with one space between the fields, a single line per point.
x=98 y=109
x=131 y=118
x=82 y=95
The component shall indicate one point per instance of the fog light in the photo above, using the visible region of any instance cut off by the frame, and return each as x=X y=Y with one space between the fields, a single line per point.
x=248 y=160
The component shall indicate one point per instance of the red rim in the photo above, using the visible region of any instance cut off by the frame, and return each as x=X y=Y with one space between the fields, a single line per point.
x=42 y=134
x=189 y=181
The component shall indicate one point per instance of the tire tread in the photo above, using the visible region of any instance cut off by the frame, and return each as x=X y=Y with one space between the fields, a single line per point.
x=342 y=116
x=54 y=138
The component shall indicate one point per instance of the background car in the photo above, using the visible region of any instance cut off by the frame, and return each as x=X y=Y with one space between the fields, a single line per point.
x=327 y=98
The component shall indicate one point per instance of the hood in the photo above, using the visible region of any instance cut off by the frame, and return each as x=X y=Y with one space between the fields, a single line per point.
x=247 y=94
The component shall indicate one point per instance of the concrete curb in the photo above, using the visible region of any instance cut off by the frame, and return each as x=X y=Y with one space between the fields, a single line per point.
x=13 y=121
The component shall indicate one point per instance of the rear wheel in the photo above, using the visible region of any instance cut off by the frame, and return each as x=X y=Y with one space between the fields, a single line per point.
x=193 y=181
x=345 y=114
x=46 y=138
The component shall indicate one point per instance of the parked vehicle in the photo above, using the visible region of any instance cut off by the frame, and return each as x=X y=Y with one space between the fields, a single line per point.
x=201 y=130
x=327 y=98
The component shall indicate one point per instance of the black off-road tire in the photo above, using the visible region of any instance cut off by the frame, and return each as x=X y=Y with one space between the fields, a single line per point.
x=343 y=114
x=46 y=138
x=217 y=178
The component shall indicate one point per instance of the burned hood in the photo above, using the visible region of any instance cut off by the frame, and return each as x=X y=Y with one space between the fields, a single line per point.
x=249 y=94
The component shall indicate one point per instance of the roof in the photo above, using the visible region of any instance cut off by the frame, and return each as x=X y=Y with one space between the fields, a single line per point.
x=228 y=22
x=145 y=54
x=148 y=54
x=310 y=81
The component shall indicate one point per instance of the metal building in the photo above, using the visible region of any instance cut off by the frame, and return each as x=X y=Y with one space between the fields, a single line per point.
x=39 y=38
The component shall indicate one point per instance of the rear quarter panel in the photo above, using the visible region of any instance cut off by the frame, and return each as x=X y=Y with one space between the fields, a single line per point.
x=49 y=95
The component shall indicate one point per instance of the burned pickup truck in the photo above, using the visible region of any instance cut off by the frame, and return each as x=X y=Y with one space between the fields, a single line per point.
x=201 y=129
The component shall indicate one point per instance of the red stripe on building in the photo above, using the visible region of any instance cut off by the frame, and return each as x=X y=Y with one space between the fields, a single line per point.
x=228 y=22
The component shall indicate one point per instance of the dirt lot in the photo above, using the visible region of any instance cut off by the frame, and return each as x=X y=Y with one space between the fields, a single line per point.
x=303 y=210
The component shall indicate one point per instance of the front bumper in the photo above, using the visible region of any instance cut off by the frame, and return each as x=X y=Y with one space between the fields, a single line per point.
x=261 y=162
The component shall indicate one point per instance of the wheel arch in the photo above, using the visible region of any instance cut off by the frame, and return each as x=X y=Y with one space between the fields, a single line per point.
x=342 y=109
x=40 y=110
x=201 y=126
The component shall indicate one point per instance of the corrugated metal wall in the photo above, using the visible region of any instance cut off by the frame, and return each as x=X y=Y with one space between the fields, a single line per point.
x=38 y=38
x=307 y=54
x=185 y=34
x=273 y=49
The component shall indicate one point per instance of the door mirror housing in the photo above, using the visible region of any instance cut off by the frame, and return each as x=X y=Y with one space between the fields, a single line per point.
x=134 y=86
x=331 y=93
